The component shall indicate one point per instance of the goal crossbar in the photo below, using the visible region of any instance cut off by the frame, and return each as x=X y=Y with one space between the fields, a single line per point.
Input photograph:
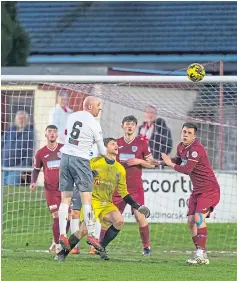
x=113 y=79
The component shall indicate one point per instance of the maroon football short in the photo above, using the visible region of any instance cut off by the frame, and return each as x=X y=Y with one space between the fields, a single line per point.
x=137 y=195
x=53 y=201
x=203 y=203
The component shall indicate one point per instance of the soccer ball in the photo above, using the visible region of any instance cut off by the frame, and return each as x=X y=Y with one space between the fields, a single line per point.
x=196 y=72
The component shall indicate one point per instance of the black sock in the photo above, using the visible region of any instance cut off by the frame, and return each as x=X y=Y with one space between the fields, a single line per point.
x=73 y=240
x=110 y=234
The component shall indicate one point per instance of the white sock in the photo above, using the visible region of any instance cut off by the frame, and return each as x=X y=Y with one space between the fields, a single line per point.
x=63 y=217
x=200 y=252
x=97 y=229
x=89 y=219
x=52 y=246
x=58 y=248
x=74 y=225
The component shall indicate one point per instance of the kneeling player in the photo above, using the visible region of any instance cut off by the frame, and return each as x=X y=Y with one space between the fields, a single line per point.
x=108 y=174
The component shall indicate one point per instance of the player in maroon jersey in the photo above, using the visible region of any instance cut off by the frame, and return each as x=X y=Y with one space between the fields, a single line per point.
x=192 y=159
x=134 y=154
x=49 y=157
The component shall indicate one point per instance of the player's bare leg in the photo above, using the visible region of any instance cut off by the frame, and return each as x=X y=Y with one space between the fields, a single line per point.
x=66 y=197
x=144 y=232
x=74 y=227
x=201 y=238
x=86 y=198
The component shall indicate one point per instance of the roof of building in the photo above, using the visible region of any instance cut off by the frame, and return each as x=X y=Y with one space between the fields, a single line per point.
x=130 y=27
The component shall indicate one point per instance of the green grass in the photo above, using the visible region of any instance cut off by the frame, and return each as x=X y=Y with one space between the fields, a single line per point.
x=27 y=228
x=127 y=266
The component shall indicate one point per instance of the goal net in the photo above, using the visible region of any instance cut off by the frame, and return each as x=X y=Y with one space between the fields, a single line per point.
x=211 y=105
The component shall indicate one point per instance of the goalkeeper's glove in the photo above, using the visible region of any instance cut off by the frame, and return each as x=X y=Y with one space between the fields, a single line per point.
x=145 y=211
x=142 y=209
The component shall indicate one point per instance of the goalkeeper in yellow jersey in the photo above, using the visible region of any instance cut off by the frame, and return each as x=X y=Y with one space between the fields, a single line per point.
x=108 y=174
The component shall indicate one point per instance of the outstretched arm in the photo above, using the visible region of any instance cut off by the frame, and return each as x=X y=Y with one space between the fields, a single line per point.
x=145 y=163
x=186 y=169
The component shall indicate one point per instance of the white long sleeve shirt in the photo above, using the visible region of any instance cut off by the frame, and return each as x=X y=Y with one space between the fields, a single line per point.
x=58 y=117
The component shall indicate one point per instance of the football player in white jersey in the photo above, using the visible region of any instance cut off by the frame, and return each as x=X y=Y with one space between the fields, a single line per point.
x=75 y=212
x=82 y=131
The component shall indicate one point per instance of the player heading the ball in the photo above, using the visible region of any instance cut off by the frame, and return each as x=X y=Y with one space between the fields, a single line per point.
x=82 y=131
x=191 y=159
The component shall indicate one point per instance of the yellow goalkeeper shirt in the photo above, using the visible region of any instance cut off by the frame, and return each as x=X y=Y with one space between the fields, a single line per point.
x=108 y=177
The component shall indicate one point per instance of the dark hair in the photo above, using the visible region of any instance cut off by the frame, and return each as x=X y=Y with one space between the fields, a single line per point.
x=129 y=118
x=190 y=126
x=51 y=127
x=107 y=140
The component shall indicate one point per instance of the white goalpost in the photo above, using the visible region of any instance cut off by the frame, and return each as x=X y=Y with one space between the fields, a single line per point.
x=211 y=104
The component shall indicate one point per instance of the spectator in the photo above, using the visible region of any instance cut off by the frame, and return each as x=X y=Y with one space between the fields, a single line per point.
x=155 y=131
x=58 y=115
x=17 y=147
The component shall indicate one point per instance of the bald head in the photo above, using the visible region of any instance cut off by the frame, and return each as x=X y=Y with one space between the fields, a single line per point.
x=92 y=105
x=89 y=100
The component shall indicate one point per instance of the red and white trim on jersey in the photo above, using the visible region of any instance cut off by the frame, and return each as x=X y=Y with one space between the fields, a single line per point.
x=147 y=156
x=36 y=168
x=129 y=141
x=51 y=148
x=185 y=147
x=192 y=160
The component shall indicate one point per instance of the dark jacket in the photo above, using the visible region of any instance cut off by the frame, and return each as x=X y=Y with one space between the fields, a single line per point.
x=161 y=139
x=17 y=147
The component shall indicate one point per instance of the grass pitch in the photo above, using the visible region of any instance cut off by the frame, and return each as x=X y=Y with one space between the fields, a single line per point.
x=27 y=236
